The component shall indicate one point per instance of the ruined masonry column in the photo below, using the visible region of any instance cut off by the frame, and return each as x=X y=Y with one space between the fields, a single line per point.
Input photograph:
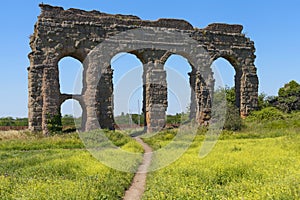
x=156 y=97
x=237 y=80
x=204 y=92
x=51 y=98
x=193 y=105
x=155 y=93
x=248 y=91
x=90 y=91
x=105 y=100
x=35 y=99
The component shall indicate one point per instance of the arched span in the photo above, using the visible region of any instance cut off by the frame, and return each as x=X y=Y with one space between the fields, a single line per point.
x=224 y=73
x=72 y=109
x=78 y=54
x=179 y=86
x=99 y=65
x=232 y=58
x=128 y=90
x=232 y=70
x=70 y=75
x=116 y=35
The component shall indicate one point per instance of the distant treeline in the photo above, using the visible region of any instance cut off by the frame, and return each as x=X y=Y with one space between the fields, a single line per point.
x=67 y=120
x=135 y=118
x=10 y=121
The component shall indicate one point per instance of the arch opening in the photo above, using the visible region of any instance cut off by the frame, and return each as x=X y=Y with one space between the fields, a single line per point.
x=70 y=75
x=178 y=71
x=127 y=91
x=226 y=79
x=71 y=115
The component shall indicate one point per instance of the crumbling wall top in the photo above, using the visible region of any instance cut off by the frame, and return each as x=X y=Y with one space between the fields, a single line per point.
x=58 y=13
x=228 y=28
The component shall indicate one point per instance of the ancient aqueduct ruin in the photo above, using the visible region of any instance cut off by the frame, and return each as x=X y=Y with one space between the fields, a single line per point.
x=61 y=33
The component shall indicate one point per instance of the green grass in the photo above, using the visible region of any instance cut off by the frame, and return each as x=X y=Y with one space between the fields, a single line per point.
x=260 y=162
x=235 y=169
x=25 y=141
x=58 y=167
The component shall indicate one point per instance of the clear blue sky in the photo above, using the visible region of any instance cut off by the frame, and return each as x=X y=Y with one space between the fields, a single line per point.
x=274 y=26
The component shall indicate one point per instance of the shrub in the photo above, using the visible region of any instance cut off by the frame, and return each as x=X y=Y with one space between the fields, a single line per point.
x=267 y=114
x=233 y=120
x=54 y=123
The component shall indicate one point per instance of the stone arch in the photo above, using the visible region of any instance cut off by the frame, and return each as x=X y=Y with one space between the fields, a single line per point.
x=61 y=49
x=180 y=77
x=98 y=63
x=123 y=72
x=72 y=52
x=201 y=82
x=237 y=78
x=224 y=71
x=231 y=57
x=72 y=66
x=52 y=96
x=77 y=96
x=77 y=104
x=245 y=78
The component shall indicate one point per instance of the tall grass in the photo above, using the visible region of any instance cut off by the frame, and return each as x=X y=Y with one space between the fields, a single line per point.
x=58 y=167
x=259 y=162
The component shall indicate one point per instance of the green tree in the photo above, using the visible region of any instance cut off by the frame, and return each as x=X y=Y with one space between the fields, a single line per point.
x=289 y=97
x=7 y=121
x=10 y=121
x=230 y=95
x=263 y=101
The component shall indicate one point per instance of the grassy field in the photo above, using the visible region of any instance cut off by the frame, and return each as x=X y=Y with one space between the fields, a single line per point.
x=259 y=162
x=57 y=167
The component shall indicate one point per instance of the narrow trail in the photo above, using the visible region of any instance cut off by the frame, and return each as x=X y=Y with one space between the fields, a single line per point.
x=137 y=188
